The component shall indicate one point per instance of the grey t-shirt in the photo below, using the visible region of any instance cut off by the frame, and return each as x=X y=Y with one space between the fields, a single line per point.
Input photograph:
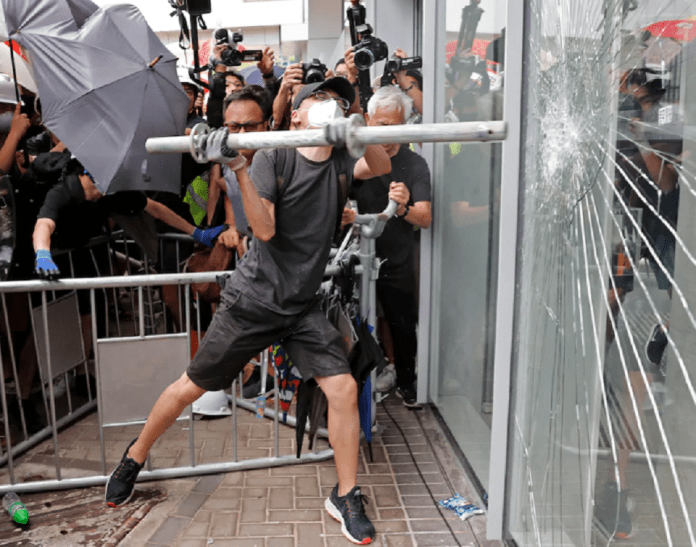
x=284 y=274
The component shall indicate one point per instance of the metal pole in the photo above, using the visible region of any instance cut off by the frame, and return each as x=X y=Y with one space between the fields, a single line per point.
x=406 y=134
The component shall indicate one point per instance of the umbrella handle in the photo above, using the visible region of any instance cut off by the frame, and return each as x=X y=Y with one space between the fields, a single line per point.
x=153 y=63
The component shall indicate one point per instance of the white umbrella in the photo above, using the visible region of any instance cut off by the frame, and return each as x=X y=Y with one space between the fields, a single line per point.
x=4 y=35
x=25 y=77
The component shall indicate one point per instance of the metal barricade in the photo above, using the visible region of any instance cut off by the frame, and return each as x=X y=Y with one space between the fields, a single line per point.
x=133 y=363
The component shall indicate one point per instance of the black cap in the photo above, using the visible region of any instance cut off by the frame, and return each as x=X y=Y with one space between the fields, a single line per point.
x=340 y=85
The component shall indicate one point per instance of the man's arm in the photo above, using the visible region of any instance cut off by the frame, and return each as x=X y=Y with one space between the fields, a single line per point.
x=215 y=187
x=419 y=214
x=374 y=163
x=260 y=212
x=20 y=124
x=43 y=230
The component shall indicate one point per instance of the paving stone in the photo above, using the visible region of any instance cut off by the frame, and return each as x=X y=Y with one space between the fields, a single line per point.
x=191 y=542
x=268 y=481
x=255 y=493
x=238 y=542
x=390 y=526
x=294 y=470
x=431 y=512
x=380 y=468
x=281 y=498
x=190 y=505
x=375 y=479
x=169 y=530
x=209 y=483
x=309 y=503
x=223 y=525
x=306 y=487
x=233 y=479
x=428 y=525
x=387 y=496
x=281 y=542
x=436 y=490
x=266 y=529
x=417 y=501
x=391 y=514
x=398 y=540
x=328 y=476
x=296 y=515
x=195 y=530
x=310 y=535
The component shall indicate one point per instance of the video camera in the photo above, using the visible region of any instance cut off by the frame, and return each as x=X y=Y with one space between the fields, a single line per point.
x=397 y=64
x=314 y=72
x=231 y=56
x=369 y=50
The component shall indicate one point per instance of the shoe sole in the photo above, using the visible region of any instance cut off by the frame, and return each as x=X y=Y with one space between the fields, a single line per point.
x=332 y=510
x=415 y=406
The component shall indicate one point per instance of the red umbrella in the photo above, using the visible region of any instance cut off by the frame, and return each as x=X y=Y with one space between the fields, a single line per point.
x=478 y=48
x=684 y=30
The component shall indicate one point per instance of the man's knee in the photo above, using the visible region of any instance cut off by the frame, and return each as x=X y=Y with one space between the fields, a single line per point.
x=341 y=391
x=185 y=391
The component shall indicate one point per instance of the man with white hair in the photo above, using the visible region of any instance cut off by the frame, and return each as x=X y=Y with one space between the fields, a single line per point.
x=409 y=185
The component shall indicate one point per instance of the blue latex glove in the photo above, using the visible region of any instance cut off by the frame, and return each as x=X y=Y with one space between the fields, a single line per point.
x=208 y=236
x=45 y=267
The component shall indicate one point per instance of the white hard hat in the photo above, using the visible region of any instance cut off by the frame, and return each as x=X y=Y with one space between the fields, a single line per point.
x=184 y=77
x=8 y=90
x=212 y=403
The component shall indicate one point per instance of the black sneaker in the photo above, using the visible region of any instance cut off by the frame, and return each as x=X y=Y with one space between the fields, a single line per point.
x=656 y=344
x=119 y=487
x=408 y=396
x=349 y=510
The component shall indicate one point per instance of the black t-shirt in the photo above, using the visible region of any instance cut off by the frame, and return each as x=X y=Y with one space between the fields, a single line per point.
x=78 y=220
x=396 y=244
x=284 y=274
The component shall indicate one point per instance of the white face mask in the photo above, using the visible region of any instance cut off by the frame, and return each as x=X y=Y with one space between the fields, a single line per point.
x=323 y=113
x=6 y=121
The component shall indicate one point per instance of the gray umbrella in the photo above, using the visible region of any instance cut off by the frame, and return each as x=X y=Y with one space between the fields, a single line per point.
x=107 y=84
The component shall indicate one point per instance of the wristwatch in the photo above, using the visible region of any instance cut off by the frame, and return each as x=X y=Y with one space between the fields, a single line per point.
x=405 y=211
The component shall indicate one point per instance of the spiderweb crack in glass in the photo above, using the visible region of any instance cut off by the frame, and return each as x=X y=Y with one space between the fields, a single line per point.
x=606 y=254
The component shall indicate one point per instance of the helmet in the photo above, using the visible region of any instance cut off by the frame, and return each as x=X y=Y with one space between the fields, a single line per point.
x=8 y=90
x=185 y=78
x=212 y=403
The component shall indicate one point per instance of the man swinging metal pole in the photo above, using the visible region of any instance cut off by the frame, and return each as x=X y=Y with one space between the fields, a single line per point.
x=293 y=206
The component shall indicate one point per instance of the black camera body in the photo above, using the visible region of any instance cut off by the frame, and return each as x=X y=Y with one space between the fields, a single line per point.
x=369 y=50
x=397 y=64
x=231 y=56
x=314 y=72
x=198 y=7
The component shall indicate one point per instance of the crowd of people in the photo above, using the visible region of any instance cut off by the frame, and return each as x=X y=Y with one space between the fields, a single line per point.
x=271 y=209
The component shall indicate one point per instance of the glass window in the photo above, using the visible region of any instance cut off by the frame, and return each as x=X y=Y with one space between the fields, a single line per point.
x=467 y=188
x=604 y=403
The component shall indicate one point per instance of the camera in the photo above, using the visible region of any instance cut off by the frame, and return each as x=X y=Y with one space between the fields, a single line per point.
x=231 y=56
x=369 y=50
x=397 y=64
x=314 y=72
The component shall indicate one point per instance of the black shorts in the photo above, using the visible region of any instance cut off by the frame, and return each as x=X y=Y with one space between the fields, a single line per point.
x=241 y=328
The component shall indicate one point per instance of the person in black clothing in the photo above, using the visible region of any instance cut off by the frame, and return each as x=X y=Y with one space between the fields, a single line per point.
x=409 y=185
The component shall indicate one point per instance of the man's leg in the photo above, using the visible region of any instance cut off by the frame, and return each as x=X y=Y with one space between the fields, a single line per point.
x=167 y=409
x=344 y=427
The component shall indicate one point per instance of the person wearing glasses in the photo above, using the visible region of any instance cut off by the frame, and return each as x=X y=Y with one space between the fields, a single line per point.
x=271 y=294
x=245 y=110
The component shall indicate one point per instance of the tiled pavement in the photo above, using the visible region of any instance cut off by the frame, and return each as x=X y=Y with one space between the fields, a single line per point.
x=283 y=506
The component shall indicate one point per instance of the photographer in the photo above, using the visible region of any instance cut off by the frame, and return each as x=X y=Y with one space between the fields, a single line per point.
x=294 y=78
x=408 y=184
x=411 y=83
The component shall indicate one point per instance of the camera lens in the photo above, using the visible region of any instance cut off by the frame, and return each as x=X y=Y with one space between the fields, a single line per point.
x=231 y=57
x=314 y=75
x=394 y=65
x=363 y=59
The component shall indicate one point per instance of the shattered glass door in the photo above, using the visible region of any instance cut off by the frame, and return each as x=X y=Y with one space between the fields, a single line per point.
x=604 y=405
x=465 y=224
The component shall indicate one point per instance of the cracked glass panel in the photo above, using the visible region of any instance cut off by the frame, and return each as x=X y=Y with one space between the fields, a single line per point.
x=604 y=403
x=465 y=197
